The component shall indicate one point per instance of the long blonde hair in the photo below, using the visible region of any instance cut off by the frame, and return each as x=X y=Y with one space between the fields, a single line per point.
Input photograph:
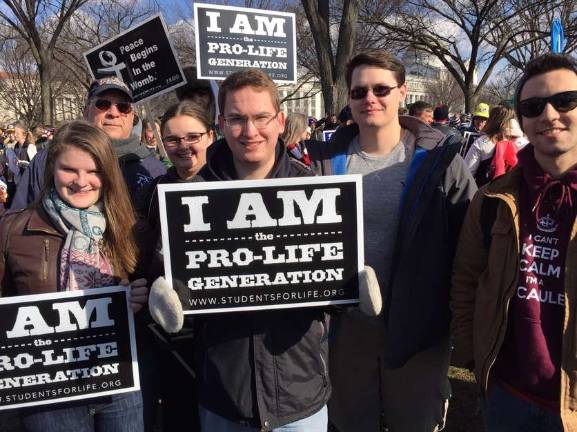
x=295 y=125
x=119 y=242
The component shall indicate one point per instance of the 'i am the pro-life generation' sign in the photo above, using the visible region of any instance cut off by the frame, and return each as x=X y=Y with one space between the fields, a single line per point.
x=142 y=57
x=66 y=346
x=263 y=244
x=229 y=39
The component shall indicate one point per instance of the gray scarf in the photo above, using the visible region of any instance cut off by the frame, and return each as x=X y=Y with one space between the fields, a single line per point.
x=82 y=264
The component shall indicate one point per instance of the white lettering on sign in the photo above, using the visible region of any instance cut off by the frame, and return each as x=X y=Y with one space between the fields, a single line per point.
x=196 y=216
x=252 y=212
x=66 y=356
x=309 y=207
x=213 y=19
x=133 y=45
x=30 y=322
x=292 y=254
x=265 y=26
x=265 y=279
x=262 y=25
x=251 y=204
x=142 y=55
x=251 y=50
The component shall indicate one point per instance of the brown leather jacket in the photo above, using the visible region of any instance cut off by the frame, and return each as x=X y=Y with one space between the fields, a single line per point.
x=30 y=252
x=484 y=281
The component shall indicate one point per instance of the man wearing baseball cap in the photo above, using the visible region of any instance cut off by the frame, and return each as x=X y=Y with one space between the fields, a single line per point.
x=480 y=117
x=471 y=133
x=109 y=106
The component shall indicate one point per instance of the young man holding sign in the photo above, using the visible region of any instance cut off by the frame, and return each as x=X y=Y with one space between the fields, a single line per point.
x=256 y=370
x=243 y=380
x=393 y=369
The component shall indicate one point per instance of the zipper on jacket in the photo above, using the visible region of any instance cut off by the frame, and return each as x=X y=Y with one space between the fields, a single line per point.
x=276 y=386
x=323 y=362
x=325 y=372
x=492 y=356
x=44 y=270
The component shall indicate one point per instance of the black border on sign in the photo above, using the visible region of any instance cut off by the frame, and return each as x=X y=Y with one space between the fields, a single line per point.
x=166 y=90
x=197 y=6
x=81 y=293
x=270 y=183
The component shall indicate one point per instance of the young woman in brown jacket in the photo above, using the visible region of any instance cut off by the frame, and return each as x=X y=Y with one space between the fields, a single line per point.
x=77 y=236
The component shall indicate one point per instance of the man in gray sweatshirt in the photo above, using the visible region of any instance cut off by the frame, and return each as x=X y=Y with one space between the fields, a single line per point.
x=392 y=369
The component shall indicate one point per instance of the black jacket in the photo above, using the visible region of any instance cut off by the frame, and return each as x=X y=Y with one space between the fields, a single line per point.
x=437 y=192
x=267 y=368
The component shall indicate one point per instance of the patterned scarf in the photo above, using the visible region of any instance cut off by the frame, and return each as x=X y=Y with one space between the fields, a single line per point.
x=82 y=263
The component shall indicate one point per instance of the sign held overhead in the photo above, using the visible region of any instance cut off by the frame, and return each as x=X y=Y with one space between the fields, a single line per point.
x=142 y=57
x=229 y=39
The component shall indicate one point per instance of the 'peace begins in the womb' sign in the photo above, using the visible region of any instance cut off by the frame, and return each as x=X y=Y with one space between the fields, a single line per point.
x=142 y=57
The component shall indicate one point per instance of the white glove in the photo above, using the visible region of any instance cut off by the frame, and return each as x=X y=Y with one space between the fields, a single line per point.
x=165 y=307
x=370 y=300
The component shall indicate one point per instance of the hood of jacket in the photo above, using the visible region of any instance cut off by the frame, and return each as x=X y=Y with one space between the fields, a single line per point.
x=426 y=137
x=130 y=148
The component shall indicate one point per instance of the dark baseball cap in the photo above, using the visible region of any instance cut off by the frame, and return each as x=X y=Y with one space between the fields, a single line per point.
x=105 y=84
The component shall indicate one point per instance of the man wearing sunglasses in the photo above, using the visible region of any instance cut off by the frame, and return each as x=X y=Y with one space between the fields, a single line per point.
x=391 y=371
x=514 y=286
x=109 y=107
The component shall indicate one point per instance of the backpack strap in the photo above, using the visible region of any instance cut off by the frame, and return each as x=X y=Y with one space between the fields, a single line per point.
x=487 y=219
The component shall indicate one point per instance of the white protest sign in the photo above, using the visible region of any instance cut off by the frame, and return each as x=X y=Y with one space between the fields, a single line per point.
x=263 y=244
x=229 y=39
x=66 y=346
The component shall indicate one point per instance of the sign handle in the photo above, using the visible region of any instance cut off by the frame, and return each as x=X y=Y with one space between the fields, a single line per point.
x=148 y=116
x=214 y=88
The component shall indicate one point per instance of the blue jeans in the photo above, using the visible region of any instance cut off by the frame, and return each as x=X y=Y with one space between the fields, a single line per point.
x=116 y=413
x=211 y=422
x=504 y=412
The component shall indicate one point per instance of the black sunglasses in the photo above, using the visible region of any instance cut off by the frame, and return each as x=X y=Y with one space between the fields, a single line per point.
x=105 y=104
x=378 y=91
x=562 y=102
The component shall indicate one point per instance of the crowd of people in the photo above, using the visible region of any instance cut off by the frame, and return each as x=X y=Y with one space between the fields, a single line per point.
x=478 y=278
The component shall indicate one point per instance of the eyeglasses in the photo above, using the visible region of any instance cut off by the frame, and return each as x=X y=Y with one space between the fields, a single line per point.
x=378 y=91
x=105 y=104
x=259 y=122
x=189 y=138
x=562 y=102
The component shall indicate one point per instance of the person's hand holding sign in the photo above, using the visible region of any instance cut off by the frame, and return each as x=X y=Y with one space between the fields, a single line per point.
x=138 y=293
